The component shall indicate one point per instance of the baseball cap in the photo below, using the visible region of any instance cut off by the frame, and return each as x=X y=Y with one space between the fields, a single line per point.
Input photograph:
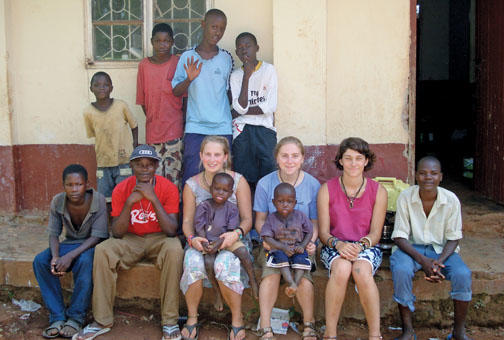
x=146 y=151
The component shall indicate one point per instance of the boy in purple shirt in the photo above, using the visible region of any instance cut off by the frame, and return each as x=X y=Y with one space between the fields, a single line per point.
x=287 y=231
x=216 y=216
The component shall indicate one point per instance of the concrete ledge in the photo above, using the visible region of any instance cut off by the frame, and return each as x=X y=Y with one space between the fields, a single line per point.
x=19 y=245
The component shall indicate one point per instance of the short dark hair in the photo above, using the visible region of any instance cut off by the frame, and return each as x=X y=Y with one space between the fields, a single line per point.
x=284 y=188
x=359 y=145
x=75 y=169
x=214 y=12
x=246 y=35
x=223 y=176
x=100 y=74
x=428 y=158
x=162 y=27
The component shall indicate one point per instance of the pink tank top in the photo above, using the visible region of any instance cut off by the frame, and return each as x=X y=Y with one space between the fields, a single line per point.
x=351 y=224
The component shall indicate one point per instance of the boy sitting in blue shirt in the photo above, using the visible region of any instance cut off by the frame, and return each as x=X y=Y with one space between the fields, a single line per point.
x=82 y=212
x=203 y=72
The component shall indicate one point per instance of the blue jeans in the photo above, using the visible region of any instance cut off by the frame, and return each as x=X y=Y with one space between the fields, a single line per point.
x=108 y=177
x=50 y=287
x=403 y=269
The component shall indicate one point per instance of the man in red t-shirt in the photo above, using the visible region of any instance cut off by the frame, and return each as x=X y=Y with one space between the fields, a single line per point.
x=145 y=220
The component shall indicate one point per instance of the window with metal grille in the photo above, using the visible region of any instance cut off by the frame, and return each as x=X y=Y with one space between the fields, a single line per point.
x=119 y=30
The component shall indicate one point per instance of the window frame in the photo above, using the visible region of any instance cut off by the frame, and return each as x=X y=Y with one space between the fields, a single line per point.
x=148 y=24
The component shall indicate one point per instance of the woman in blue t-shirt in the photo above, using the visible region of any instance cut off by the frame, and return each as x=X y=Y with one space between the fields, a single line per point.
x=289 y=155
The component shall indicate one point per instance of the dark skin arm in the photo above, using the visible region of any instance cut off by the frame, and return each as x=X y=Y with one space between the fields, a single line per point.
x=300 y=248
x=431 y=267
x=193 y=69
x=167 y=222
x=248 y=69
x=60 y=265
x=288 y=250
x=134 y=132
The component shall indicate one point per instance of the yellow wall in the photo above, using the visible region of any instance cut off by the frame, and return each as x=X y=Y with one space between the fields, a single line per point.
x=254 y=17
x=343 y=68
x=368 y=69
x=5 y=122
x=299 y=32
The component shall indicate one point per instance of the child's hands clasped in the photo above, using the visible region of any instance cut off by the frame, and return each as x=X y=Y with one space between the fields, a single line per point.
x=212 y=247
x=298 y=249
x=289 y=250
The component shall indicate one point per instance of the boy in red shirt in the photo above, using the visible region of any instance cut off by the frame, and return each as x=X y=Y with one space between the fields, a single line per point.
x=145 y=214
x=163 y=111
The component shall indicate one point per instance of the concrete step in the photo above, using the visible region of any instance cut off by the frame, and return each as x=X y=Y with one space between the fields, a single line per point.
x=20 y=243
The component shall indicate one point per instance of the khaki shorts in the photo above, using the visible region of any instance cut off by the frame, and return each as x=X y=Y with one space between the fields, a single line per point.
x=267 y=271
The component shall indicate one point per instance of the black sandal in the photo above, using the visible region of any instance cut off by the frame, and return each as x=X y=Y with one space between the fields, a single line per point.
x=190 y=329
x=235 y=331
x=309 y=330
x=262 y=333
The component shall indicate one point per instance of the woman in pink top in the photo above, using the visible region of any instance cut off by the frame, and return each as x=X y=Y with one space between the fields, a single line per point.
x=351 y=211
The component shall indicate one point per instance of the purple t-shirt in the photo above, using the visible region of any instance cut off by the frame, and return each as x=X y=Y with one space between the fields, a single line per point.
x=351 y=224
x=211 y=221
x=291 y=230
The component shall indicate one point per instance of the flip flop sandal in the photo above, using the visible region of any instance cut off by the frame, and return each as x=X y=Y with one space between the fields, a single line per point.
x=57 y=325
x=73 y=324
x=171 y=330
x=235 y=331
x=190 y=329
x=96 y=331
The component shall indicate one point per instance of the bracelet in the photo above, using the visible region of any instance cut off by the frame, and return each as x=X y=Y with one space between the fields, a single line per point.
x=332 y=242
x=189 y=240
x=239 y=235
x=363 y=245
x=365 y=238
x=242 y=232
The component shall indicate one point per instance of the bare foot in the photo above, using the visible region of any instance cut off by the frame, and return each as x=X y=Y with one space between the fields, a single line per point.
x=218 y=304
x=291 y=290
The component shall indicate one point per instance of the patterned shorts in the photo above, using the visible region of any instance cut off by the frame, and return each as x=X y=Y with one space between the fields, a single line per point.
x=372 y=255
x=170 y=165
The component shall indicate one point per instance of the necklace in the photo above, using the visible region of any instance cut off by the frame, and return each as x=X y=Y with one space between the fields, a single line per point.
x=144 y=215
x=282 y=180
x=205 y=180
x=351 y=200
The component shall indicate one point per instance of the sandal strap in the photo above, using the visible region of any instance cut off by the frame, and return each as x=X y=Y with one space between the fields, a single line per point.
x=264 y=330
x=237 y=330
x=309 y=324
x=171 y=329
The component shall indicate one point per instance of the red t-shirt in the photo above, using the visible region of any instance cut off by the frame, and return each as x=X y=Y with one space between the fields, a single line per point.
x=164 y=119
x=143 y=219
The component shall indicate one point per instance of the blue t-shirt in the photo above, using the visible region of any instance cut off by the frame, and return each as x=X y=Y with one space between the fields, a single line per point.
x=306 y=194
x=208 y=110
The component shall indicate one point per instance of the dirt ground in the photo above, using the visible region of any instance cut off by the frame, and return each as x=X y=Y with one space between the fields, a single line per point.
x=143 y=324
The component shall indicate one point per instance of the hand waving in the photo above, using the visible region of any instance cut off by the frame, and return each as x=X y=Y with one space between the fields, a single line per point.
x=193 y=68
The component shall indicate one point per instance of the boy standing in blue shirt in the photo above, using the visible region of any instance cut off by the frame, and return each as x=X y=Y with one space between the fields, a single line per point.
x=204 y=73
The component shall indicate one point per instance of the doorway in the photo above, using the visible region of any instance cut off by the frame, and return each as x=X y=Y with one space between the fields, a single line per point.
x=446 y=85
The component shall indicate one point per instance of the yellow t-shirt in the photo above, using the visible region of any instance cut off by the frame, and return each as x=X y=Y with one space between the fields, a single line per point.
x=112 y=132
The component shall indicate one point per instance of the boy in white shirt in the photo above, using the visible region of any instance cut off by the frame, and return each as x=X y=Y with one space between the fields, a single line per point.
x=254 y=93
